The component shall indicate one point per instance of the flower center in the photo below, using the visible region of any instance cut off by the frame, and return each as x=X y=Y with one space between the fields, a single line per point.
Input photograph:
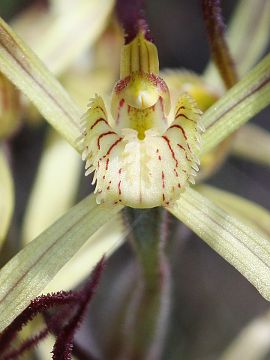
x=141 y=161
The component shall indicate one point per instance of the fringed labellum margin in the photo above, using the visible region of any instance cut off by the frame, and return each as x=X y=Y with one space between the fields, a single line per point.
x=140 y=157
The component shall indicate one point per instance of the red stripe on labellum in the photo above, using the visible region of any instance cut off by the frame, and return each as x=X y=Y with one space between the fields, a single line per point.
x=171 y=150
x=98 y=121
x=180 y=128
x=119 y=187
x=163 y=179
x=104 y=134
x=184 y=116
x=112 y=146
x=182 y=148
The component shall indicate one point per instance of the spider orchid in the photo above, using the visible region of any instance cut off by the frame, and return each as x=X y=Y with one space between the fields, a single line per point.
x=144 y=153
x=141 y=157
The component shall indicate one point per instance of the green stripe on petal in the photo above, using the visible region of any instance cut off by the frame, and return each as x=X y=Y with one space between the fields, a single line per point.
x=28 y=273
x=69 y=30
x=245 y=210
x=107 y=239
x=244 y=100
x=240 y=245
x=27 y=72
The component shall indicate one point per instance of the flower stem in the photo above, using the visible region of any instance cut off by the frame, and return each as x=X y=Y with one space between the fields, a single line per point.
x=148 y=311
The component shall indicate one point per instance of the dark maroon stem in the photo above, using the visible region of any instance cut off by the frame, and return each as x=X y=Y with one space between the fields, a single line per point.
x=27 y=345
x=218 y=46
x=38 y=305
x=131 y=16
x=63 y=346
x=63 y=323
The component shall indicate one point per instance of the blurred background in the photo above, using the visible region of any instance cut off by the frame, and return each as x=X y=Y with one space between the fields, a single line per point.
x=211 y=301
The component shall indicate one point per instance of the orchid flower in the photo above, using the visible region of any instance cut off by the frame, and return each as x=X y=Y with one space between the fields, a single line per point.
x=143 y=152
x=145 y=159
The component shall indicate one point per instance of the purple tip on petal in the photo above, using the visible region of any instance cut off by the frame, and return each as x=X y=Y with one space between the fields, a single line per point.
x=131 y=16
x=219 y=49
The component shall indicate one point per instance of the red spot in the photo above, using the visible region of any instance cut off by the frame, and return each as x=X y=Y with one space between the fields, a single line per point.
x=121 y=104
x=121 y=84
x=119 y=187
x=98 y=121
x=104 y=134
x=120 y=170
x=162 y=108
x=159 y=157
x=157 y=81
x=107 y=163
x=103 y=177
x=169 y=145
x=176 y=173
x=163 y=180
